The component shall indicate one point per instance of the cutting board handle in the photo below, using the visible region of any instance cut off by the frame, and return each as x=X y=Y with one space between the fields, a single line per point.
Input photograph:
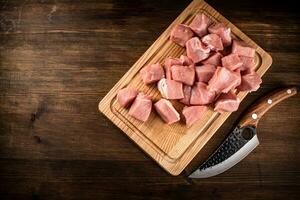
x=255 y=113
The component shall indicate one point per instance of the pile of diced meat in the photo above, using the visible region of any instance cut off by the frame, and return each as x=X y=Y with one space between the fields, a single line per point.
x=214 y=68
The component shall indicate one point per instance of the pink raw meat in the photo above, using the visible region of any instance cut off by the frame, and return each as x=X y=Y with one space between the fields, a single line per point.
x=170 y=89
x=199 y=24
x=152 y=73
x=196 y=50
x=248 y=63
x=250 y=82
x=193 y=113
x=223 y=31
x=214 y=59
x=185 y=60
x=141 y=107
x=227 y=102
x=213 y=41
x=187 y=94
x=183 y=74
x=126 y=96
x=232 y=62
x=205 y=72
x=242 y=49
x=201 y=95
x=169 y=62
x=180 y=34
x=224 y=80
x=166 y=111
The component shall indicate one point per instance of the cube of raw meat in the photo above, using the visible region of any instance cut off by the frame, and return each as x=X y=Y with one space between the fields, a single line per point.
x=227 y=102
x=185 y=60
x=232 y=62
x=196 y=50
x=200 y=95
x=152 y=73
x=166 y=111
x=170 y=89
x=180 y=34
x=250 y=82
x=242 y=49
x=187 y=94
x=213 y=41
x=223 y=31
x=183 y=74
x=141 y=107
x=205 y=72
x=224 y=80
x=126 y=96
x=248 y=63
x=169 y=62
x=214 y=59
x=200 y=24
x=238 y=76
x=193 y=113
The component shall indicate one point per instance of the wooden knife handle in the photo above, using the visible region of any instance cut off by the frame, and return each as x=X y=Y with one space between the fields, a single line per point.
x=255 y=113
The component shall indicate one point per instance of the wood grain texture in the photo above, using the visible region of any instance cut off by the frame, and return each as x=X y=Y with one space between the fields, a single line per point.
x=255 y=112
x=55 y=66
x=172 y=146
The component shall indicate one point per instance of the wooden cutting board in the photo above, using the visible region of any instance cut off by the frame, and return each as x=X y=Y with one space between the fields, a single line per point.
x=172 y=146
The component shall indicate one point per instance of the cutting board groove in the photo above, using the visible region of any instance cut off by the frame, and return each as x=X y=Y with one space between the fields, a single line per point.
x=172 y=146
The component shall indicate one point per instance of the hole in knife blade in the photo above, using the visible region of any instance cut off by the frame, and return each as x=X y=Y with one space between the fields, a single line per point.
x=247 y=134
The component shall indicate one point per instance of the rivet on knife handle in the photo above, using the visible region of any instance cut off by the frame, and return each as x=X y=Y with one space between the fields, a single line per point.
x=255 y=113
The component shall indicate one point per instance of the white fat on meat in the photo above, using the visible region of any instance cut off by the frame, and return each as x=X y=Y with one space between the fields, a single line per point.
x=170 y=89
x=166 y=111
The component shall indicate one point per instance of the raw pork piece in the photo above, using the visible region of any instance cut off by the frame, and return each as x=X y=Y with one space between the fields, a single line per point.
x=214 y=59
x=169 y=62
x=152 y=73
x=237 y=74
x=185 y=60
x=242 y=49
x=200 y=95
x=205 y=72
x=193 y=114
x=166 y=111
x=224 y=80
x=227 y=102
x=141 y=107
x=223 y=31
x=183 y=74
x=126 y=96
x=232 y=62
x=170 y=89
x=213 y=41
x=187 y=94
x=248 y=63
x=196 y=50
x=250 y=82
x=180 y=34
x=199 y=24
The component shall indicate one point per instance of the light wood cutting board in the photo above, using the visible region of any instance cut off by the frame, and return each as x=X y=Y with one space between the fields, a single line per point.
x=172 y=146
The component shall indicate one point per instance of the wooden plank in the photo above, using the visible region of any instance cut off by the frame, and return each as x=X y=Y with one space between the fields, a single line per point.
x=82 y=155
x=172 y=146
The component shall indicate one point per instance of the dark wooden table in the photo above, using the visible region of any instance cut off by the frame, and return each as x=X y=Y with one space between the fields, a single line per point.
x=58 y=58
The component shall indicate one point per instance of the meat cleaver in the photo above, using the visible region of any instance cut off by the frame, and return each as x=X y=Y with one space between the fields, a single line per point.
x=243 y=139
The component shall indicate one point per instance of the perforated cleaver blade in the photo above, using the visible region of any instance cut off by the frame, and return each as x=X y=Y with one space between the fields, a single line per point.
x=236 y=146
